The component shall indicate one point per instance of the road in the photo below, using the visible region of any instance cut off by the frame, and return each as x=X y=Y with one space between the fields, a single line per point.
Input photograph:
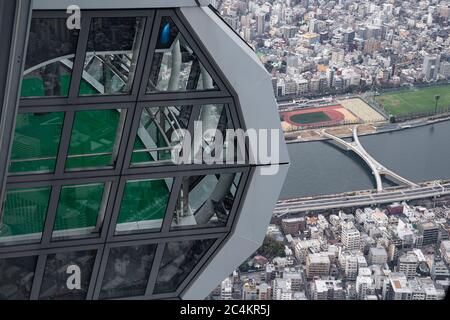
x=428 y=190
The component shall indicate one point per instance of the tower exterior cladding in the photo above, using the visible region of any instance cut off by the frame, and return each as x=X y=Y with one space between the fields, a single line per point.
x=122 y=168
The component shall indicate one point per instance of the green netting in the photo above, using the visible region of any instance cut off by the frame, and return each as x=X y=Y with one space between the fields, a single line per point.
x=93 y=132
x=37 y=136
x=34 y=87
x=79 y=207
x=24 y=212
x=144 y=201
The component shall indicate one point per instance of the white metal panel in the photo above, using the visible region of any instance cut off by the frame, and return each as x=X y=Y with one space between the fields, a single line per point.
x=253 y=85
x=112 y=4
x=242 y=68
x=251 y=228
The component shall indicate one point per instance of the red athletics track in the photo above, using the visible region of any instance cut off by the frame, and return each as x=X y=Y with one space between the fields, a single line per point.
x=330 y=111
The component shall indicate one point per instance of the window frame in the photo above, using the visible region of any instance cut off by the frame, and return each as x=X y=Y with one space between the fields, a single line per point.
x=118 y=176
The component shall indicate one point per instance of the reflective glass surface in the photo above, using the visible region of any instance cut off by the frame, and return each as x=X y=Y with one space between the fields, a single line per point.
x=127 y=271
x=206 y=201
x=179 y=259
x=95 y=139
x=175 y=66
x=50 y=56
x=143 y=205
x=212 y=141
x=16 y=277
x=36 y=142
x=24 y=214
x=80 y=211
x=160 y=138
x=67 y=275
x=92 y=187
x=112 y=54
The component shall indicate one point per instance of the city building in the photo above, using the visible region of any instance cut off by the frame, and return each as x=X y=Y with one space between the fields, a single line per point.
x=293 y=225
x=445 y=250
x=440 y=271
x=432 y=291
x=397 y=287
x=317 y=264
x=430 y=67
x=282 y=289
x=264 y=291
x=302 y=247
x=377 y=255
x=94 y=184
x=407 y=264
x=249 y=291
x=295 y=277
x=430 y=233
x=226 y=289
x=365 y=285
x=349 y=264
x=350 y=237
x=328 y=290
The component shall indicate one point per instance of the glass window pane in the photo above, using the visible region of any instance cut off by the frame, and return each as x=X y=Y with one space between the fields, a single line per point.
x=127 y=271
x=206 y=201
x=16 y=277
x=50 y=56
x=24 y=215
x=176 y=67
x=36 y=142
x=212 y=134
x=179 y=259
x=80 y=211
x=61 y=273
x=160 y=138
x=112 y=55
x=95 y=139
x=144 y=205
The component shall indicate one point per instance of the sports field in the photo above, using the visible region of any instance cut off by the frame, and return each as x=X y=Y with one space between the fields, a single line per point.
x=316 y=116
x=307 y=118
x=361 y=110
x=415 y=101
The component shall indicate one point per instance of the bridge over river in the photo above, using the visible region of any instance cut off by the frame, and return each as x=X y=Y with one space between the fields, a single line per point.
x=377 y=168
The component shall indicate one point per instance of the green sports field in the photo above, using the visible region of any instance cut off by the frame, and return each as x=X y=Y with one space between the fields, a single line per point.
x=308 y=118
x=415 y=101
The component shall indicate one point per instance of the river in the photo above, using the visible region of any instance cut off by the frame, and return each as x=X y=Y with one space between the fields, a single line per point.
x=319 y=168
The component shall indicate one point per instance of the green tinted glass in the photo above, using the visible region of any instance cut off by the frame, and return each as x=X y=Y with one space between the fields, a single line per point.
x=95 y=138
x=78 y=211
x=36 y=142
x=24 y=214
x=144 y=205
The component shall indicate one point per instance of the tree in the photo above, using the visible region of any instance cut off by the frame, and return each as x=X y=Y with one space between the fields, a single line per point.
x=271 y=248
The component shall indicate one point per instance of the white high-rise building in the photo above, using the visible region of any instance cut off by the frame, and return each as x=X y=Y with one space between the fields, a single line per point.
x=226 y=289
x=377 y=255
x=317 y=264
x=407 y=264
x=364 y=284
x=396 y=288
x=328 y=290
x=350 y=237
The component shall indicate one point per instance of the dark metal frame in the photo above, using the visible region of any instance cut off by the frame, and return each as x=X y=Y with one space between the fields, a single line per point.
x=14 y=20
x=123 y=172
